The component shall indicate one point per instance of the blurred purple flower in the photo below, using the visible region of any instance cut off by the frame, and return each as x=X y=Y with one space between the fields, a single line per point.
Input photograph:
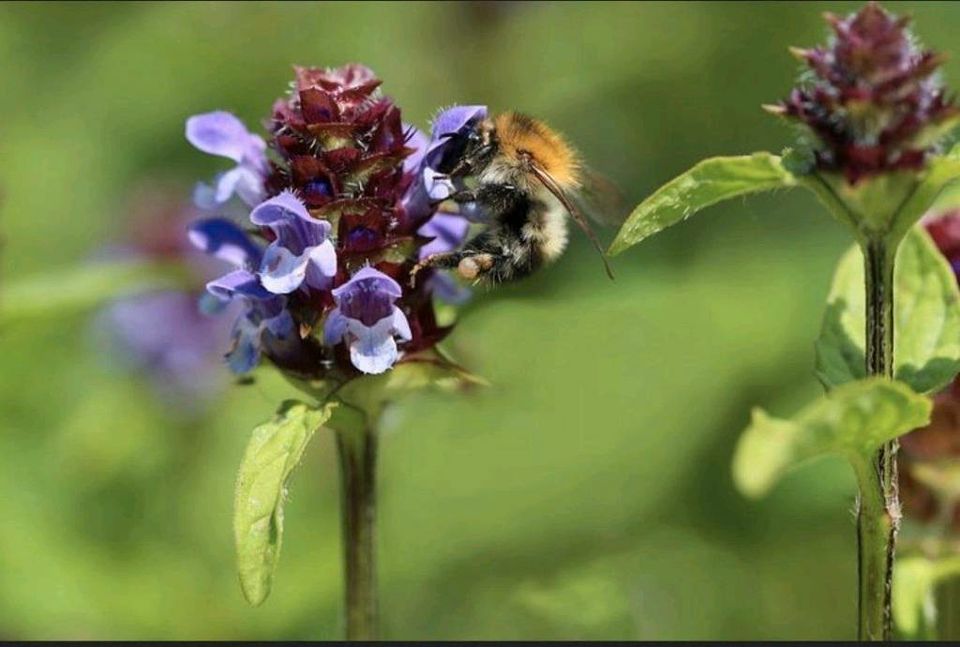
x=221 y=133
x=264 y=313
x=301 y=252
x=367 y=319
x=448 y=232
x=164 y=335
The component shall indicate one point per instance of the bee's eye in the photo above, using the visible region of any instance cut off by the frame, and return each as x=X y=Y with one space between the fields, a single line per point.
x=474 y=136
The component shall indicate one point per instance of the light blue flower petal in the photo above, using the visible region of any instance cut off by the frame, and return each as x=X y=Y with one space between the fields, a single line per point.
x=322 y=266
x=281 y=271
x=400 y=326
x=373 y=350
x=249 y=185
x=438 y=186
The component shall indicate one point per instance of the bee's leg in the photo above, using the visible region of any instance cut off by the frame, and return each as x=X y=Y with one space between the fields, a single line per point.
x=469 y=263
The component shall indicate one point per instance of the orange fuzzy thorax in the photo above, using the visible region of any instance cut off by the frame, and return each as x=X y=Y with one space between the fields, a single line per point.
x=517 y=132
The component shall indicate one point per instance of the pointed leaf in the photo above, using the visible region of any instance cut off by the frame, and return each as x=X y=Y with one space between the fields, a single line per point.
x=940 y=173
x=927 y=303
x=711 y=181
x=852 y=420
x=274 y=450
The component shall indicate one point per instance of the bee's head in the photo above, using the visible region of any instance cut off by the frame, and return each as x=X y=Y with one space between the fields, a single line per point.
x=470 y=150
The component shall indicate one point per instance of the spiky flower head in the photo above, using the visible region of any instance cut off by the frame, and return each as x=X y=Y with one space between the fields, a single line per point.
x=870 y=97
x=324 y=273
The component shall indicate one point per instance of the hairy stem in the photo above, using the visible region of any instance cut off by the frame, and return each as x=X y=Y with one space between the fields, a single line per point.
x=358 y=462
x=878 y=518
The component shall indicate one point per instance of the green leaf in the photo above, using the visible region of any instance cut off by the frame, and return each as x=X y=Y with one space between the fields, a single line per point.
x=76 y=289
x=915 y=579
x=274 y=450
x=709 y=182
x=852 y=420
x=940 y=173
x=927 y=304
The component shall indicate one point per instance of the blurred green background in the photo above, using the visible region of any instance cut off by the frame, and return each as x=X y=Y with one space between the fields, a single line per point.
x=587 y=493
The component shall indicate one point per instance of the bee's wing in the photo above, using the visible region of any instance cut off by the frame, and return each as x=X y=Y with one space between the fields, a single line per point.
x=575 y=212
x=601 y=199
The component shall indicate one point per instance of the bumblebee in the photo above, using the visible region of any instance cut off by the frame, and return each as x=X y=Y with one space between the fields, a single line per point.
x=526 y=177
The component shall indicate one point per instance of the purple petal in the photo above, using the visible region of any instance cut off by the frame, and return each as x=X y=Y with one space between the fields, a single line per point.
x=418 y=141
x=322 y=266
x=400 y=325
x=242 y=180
x=448 y=232
x=219 y=133
x=383 y=283
x=335 y=327
x=453 y=120
x=238 y=283
x=287 y=216
x=224 y=240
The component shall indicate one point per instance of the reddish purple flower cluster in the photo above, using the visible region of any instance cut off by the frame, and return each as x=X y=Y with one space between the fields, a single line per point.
x=340 y=214
x=872 y=99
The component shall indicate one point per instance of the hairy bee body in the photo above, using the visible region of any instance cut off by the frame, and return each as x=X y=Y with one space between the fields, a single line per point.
x=524 y=171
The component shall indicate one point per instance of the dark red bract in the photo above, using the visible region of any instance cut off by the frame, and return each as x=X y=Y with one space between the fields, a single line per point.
x=872 y=100
x=340 y=146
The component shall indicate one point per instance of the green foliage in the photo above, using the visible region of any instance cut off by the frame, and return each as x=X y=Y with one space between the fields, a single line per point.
x=708 y=182
x=59 y=294
x=914 y=584
x=274 y=451
x=852 y=420
x=927 y=304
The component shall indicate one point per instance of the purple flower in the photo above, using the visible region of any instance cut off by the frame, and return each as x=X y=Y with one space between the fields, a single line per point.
x=221 y=133
x=301 y=252
x=164 y=335
x=367 y=319
x=264 y=313
x=448 y=231
x=430 y=185
x=452 y=121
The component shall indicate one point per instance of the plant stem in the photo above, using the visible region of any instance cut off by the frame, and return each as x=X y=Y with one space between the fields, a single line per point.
x=878 y=519
x=358 y=462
